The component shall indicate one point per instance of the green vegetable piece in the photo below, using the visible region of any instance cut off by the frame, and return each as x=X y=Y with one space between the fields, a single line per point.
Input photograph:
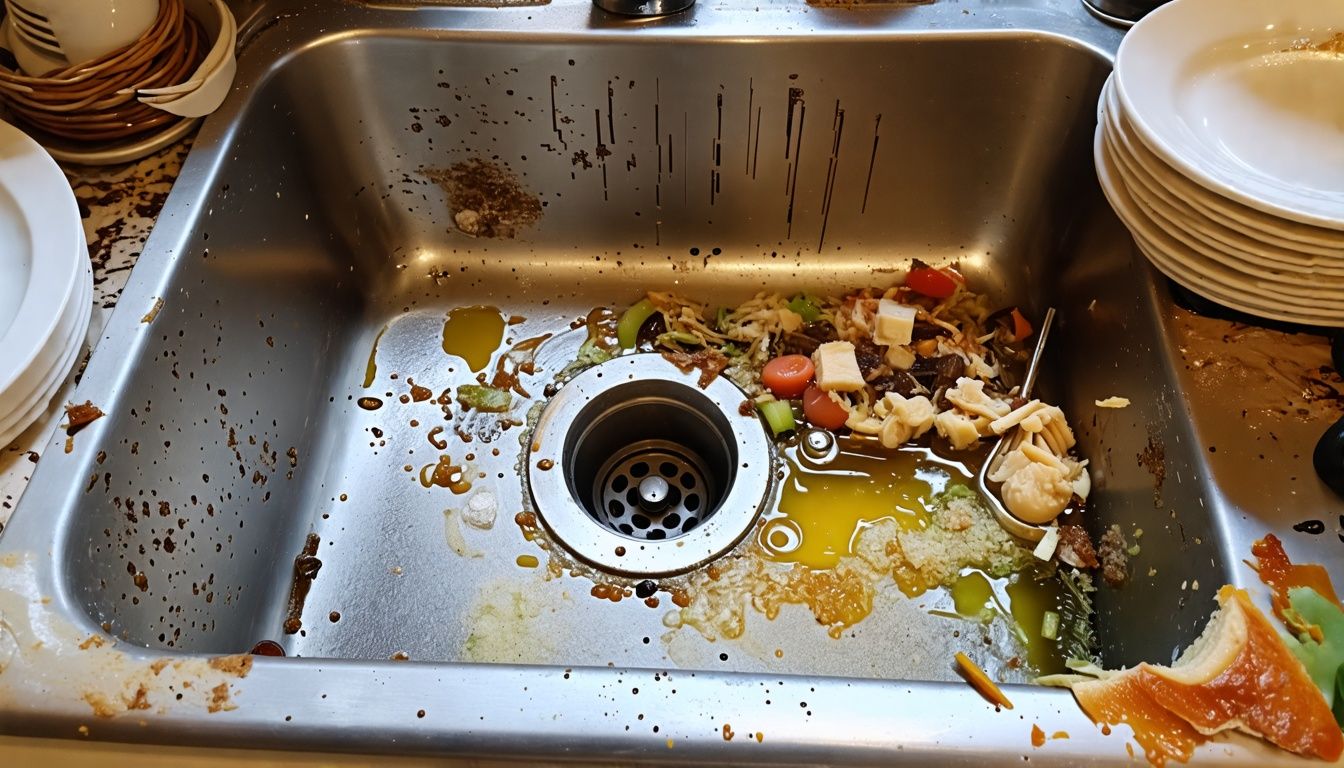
x=721 y=320
x=1050 y=625
x=1339 y=696
x=779 y=415
x=805 y=306
x=627 y=328
x=1322 y=660
x=486 y=399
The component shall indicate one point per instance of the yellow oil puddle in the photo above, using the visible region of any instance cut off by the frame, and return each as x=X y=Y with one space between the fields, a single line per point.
x=473 y=334
x=1021 y=599
x=823 y=508
x=371 y=370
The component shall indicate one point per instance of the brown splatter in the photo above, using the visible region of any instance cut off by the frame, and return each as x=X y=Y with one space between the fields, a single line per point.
x=80 y=416
x=237 y=665
x=102 y=706
x=140 y=700
x=267 y=648
x=219 y=699
x=487 y=199
x=1153 y=458
x=93 y=641
x=306 y=566
x=419 y=394
x=711 y=363
x=728 y=732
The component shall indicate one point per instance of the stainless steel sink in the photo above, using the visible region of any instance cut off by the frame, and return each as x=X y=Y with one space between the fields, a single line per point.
x=717 y=153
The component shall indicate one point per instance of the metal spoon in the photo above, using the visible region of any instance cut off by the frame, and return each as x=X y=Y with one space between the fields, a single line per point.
x=1006 y=519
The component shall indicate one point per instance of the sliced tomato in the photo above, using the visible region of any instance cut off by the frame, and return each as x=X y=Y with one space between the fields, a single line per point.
x=935 y=283
x=822 y=411
x=787 y=376
x=1021 y=328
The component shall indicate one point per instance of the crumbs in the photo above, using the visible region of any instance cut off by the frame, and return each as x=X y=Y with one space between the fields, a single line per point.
x=237 y=665
x=153 y=311
x=488 y=199
x=220 y=700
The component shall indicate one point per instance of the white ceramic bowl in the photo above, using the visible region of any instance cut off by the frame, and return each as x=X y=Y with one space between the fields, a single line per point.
x=207 y=87
x=1216 y=88
x=1177 y=263
x=44 y=224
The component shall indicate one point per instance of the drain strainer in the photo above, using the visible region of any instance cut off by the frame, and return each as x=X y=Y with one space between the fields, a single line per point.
x=653 y=491
x=637 y=470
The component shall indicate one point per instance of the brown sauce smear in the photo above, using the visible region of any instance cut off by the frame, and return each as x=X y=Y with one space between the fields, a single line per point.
x=306 y=566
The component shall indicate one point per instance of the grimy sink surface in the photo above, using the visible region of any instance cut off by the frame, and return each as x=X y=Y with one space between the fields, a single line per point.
x=257 y=379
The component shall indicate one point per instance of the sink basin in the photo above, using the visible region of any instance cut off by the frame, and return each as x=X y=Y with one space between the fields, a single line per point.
x=263 y=421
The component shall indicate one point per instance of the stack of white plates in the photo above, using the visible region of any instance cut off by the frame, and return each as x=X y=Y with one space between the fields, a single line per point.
x=1220 y=144
x=46 y=284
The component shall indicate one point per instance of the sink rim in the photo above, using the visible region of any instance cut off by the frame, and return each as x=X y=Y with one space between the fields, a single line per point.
x=901 y=721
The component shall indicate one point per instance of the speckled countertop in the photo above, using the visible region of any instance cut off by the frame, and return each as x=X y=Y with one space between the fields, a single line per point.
x=119 y=205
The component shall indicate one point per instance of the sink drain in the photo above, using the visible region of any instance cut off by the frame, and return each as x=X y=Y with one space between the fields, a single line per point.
x=653 y=491
x=638 y=471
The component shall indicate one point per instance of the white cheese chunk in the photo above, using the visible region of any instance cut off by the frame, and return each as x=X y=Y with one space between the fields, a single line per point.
x=958 y=428
x=900 y=357
x=1048 y=544
x=837 y=367
x=894 y=324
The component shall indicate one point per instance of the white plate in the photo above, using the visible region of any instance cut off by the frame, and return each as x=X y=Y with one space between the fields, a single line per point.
x=43 y=225
x=1249 y=290
x=1216 y=295
x=12 y=425
x=1288 y=244
x=1319 y=288
x=1208 y=283
x=1185 y=224
x=1216 y=88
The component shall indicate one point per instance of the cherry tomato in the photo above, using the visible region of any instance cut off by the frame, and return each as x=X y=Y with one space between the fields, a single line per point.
x=1021 y=328
x=788 y=376
x=935 y=283
x=822 y=411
